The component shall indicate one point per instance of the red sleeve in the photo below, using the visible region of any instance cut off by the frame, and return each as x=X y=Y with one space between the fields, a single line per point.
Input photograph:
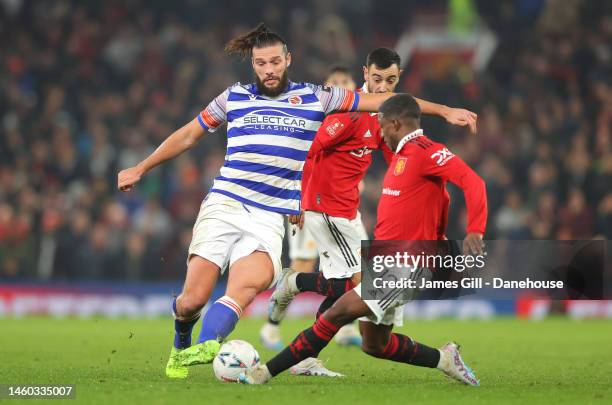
x=438 y=161
x=306 y=171
x=444 y=217
x=336 y=128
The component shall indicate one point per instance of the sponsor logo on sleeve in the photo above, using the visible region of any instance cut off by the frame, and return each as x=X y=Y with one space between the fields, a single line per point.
x=334 y=127
x=442 y=156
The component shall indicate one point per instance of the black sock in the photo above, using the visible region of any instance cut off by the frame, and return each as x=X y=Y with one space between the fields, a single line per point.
x=307 y=344
x=403 y=349
x=316 y=282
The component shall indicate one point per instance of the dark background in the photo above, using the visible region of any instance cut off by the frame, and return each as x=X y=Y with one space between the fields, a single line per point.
x=88 y=88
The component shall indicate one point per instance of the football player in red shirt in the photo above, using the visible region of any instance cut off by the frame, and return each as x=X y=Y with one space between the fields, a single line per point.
x=303 y=254
x=302 y=246
x=413 y=205
x=338 y=160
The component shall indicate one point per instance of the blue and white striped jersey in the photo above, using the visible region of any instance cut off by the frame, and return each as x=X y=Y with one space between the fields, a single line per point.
x=268 y=140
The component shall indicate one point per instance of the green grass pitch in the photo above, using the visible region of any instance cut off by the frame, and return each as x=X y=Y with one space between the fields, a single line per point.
x=122 y=361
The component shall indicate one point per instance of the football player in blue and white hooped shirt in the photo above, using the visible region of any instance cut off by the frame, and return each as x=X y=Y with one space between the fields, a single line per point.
x=270 y=127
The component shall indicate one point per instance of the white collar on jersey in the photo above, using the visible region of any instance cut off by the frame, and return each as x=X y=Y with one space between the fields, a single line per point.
x=409 y=137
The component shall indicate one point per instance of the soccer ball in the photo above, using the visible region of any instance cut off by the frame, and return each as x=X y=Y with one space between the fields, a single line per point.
x=233 y=358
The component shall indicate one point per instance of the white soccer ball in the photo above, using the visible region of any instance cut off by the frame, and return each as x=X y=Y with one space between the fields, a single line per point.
x=234 y=357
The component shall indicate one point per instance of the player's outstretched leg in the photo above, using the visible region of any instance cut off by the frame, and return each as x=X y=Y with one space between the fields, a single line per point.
x=378 y=341
x=201 y=278
x=291 y=284
x=312 y=340
x=182 y=340
x=248 y=276
x=312 y=366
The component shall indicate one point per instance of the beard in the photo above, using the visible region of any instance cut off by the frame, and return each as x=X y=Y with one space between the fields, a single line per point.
x=276 y=90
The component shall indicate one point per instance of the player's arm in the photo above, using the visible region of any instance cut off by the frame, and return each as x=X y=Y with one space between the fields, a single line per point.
x=181 y=140
x=440 y=162
x=456 y=116
x=336 y=128
x=444 y=218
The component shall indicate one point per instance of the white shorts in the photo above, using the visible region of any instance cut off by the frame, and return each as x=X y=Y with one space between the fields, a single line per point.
x=387 y=311
x=227 y=230
x=339 y=243
x=302 y=245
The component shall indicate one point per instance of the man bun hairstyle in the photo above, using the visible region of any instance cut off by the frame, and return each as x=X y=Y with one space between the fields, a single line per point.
x=259 y=37
x=401 y=107
x=383 y=58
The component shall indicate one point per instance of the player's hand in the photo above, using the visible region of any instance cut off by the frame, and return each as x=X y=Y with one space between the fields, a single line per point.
x=126 y=179
x=473 y=244
x=461 y=117
x=297 y=220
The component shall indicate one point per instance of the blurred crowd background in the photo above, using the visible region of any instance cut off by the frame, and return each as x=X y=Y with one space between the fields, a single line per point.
x=88 y=88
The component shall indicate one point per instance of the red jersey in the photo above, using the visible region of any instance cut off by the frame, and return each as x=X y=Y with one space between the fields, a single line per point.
x=338 y=160
x=414 y=202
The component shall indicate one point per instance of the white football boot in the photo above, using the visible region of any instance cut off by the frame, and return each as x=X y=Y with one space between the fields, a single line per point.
x=454 y=367
x=313 y=367
x=282 y=295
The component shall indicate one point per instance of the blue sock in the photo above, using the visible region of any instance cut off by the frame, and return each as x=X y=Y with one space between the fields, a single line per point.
x=182 y=329
x=220 y=320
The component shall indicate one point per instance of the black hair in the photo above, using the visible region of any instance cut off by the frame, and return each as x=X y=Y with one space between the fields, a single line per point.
x=259 y=37
x=383 y=58
x=400 y=107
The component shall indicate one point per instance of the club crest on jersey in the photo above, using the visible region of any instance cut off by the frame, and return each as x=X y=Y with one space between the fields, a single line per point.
x=295 y=100
x=442 y=156
x=334 y=127
x=400 y=166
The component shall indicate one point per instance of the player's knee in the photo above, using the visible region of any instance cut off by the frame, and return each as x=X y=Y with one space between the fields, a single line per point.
x=340 y=314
